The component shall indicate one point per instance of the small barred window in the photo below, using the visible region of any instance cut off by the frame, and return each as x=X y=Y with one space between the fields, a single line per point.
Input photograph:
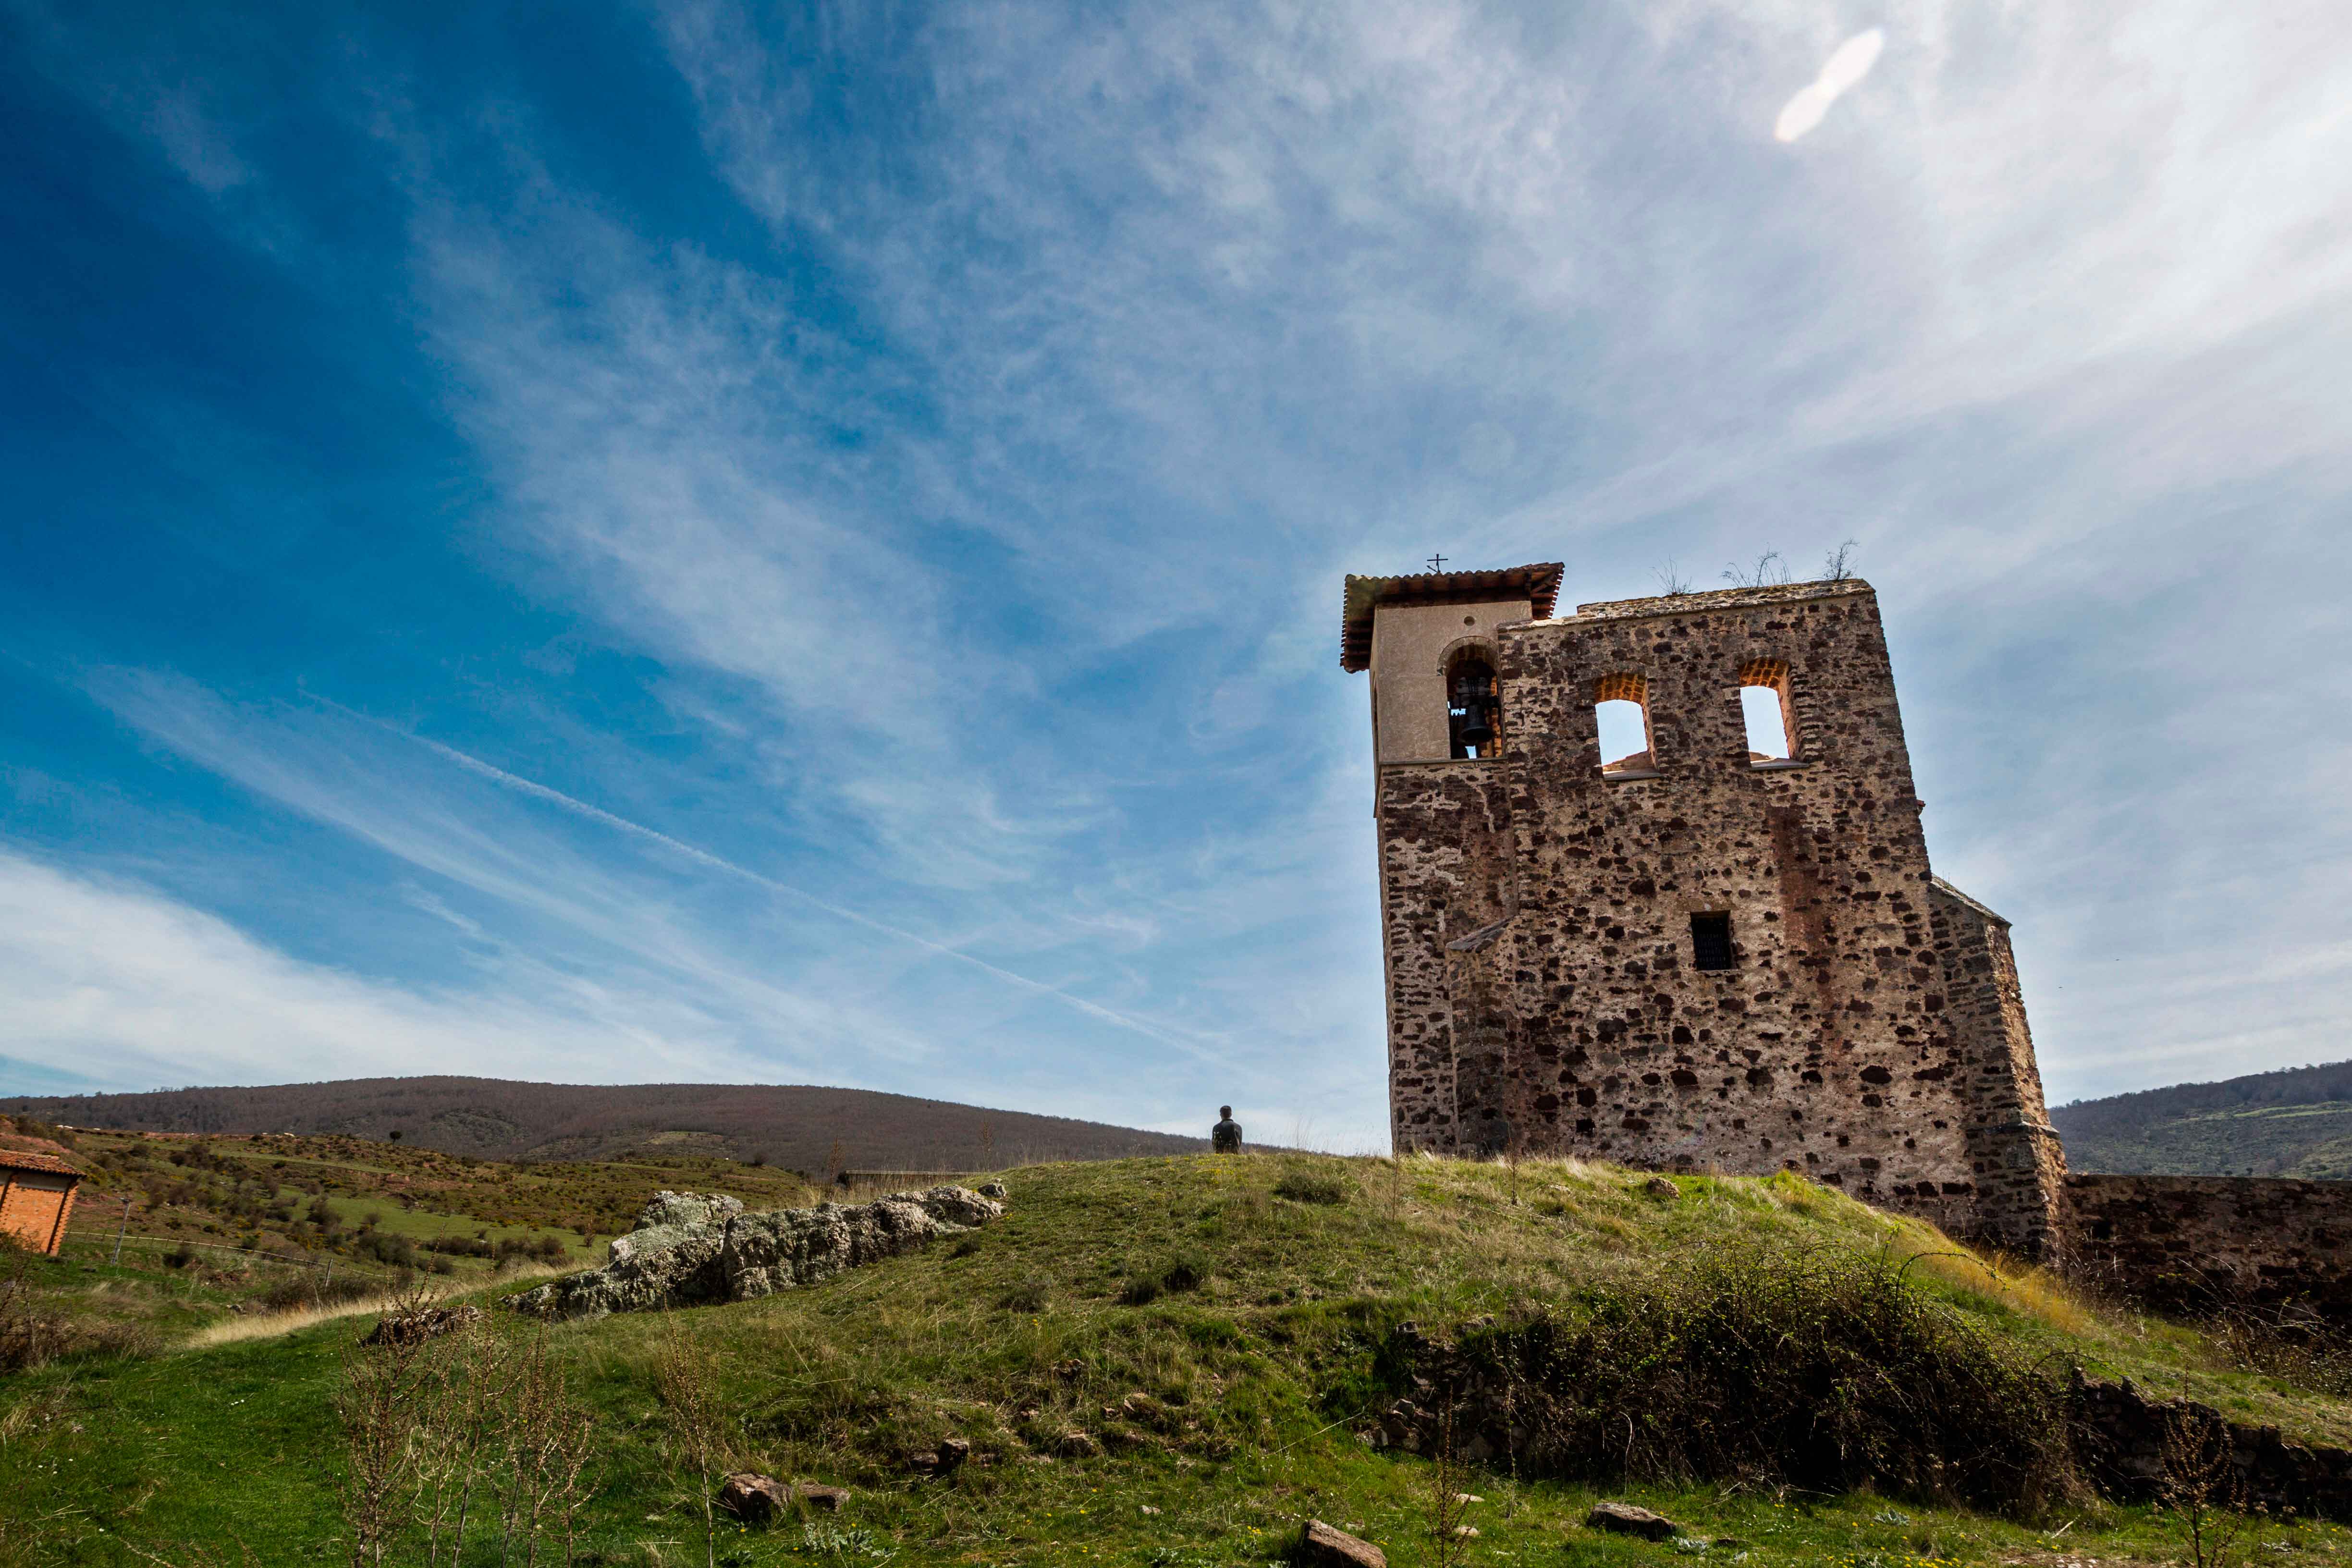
x=1711 y=942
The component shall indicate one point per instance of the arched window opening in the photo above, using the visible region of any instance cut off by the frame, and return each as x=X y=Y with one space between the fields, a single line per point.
x=1474 y=707
x=1764 y=704
x=1621 y=706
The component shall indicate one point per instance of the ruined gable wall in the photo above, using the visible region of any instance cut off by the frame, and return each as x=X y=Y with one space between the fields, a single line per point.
x=1826 y=1047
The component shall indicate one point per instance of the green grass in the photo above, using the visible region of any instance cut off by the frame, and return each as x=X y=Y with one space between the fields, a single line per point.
x=1253 y=1380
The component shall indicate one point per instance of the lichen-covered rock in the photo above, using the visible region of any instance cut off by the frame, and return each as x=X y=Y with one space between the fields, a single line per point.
x=669 y=1208
x=726 y=1254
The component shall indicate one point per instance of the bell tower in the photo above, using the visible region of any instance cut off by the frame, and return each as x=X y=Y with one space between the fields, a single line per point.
x=1441 y=721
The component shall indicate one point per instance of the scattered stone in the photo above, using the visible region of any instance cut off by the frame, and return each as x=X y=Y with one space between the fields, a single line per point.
x=691 y=1248
x=1466 y=1531
x=1078 y=1445
x=1626 y=1520
x=1067 y=1371
x=1149 y=1508
x=1659 y=1187
x=827 y=1500
x=1324 y=1547
x=994 y=1190
x=754 y=1498
x=425 y=1323
x=925 y=1461
x=953 y=1452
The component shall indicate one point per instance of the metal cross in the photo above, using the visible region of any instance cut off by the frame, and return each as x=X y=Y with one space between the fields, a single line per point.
x=1437 y=563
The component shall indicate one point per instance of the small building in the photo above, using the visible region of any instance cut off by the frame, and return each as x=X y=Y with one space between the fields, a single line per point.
x=36 y=1198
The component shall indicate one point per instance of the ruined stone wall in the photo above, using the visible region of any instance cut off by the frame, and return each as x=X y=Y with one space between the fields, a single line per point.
x=1825 y=1047
x=2192 y=1243
x=1537 y=918
x=2019 y=1166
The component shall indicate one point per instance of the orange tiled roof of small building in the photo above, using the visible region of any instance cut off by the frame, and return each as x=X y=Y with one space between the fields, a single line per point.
x=25 y=1160
x=1539 y=582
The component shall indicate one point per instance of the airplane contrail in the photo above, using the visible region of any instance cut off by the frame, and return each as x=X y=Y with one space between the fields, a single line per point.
x=701 y=856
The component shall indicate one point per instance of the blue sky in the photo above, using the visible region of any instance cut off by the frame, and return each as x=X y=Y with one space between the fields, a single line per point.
x=672 y=542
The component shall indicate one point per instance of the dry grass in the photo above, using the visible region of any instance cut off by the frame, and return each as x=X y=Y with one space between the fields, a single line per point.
x=292 y=1319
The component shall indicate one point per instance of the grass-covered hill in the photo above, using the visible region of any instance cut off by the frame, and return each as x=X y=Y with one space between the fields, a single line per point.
x=2296 y=1122
x=1164 y=1361
x=813 y=1130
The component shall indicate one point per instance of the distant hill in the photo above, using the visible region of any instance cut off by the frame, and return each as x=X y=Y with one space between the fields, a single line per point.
x=796 y=1127
x=2296 y=1122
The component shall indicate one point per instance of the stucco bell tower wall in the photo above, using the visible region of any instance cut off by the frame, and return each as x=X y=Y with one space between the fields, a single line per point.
x=1536 y=914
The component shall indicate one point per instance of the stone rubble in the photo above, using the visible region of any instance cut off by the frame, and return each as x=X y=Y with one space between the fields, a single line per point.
x=425 y=1323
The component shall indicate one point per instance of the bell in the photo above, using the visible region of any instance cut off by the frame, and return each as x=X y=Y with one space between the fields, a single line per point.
x=1478 y=726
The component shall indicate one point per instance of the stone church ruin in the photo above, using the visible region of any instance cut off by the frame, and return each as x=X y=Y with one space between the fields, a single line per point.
x=1718 y=943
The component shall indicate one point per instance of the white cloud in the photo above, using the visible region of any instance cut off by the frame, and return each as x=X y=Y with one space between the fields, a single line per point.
x=1842 y=70
x=123 y=986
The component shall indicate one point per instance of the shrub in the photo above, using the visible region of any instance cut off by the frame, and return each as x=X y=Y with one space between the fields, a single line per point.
x=32 y=1331
x=389 y=1247
x=1312 y=1187
x=1821 y=1371
x=1186 y=1273
x=1029 y=1296
x=312 y=1287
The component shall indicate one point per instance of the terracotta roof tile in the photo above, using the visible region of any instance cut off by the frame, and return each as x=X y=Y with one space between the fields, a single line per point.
x=22 y=1160
x=1539 y=581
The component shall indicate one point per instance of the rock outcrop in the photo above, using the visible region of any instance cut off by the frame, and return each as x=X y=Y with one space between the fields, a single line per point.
x=691 y=1249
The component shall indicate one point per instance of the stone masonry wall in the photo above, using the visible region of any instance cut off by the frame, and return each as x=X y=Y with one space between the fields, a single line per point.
x=1445 y=872
x=2191 y=1243
x=2018 y=1164
x=1537 y=918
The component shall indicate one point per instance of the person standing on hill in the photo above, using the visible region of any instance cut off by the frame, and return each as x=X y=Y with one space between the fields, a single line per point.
x=1226 y=1137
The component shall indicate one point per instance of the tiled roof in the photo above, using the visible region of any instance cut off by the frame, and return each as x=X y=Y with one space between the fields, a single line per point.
x=1539 y=582
x=24 y=1160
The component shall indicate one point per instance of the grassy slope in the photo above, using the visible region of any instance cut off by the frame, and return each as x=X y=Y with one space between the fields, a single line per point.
x=1014 y=1334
